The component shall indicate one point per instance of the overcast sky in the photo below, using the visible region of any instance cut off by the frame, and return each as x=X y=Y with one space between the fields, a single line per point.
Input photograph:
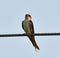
x=46 y=18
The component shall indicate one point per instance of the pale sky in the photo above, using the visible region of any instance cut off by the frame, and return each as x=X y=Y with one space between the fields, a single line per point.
x=46 y=18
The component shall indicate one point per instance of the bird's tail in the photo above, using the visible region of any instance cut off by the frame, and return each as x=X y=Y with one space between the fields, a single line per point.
x=34 y=42
x=36 y=46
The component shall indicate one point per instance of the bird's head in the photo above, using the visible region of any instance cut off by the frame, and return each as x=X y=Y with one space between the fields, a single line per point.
x=28 y=17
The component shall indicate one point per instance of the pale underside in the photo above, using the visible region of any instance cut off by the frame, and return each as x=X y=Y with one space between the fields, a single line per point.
x=26 y=26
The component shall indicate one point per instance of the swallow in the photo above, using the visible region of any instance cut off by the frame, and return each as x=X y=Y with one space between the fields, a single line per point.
x=28 y=27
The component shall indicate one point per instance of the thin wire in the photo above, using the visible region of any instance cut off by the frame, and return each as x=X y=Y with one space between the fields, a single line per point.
x=36 y=34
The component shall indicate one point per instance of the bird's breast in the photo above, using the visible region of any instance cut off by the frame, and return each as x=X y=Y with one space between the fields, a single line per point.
x=26 y=25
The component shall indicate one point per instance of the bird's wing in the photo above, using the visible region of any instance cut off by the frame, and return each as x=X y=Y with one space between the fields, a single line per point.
x=32 y=39
x=22 y=25
x=31 y=27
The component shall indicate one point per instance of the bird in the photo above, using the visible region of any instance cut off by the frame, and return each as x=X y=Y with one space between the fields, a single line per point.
x=28 y=27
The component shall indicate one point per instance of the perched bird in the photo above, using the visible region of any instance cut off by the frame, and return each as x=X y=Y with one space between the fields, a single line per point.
x=28 y=27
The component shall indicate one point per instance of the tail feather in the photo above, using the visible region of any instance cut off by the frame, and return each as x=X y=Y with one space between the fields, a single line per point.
x=36 y=47
x=34 y=42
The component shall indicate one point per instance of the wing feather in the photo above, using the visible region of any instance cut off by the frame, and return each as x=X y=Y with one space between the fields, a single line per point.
x=31 y=27
x=22 y=25
x=32 y=39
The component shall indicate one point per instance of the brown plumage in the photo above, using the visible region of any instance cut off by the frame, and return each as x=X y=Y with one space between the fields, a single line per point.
x=28 y=27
